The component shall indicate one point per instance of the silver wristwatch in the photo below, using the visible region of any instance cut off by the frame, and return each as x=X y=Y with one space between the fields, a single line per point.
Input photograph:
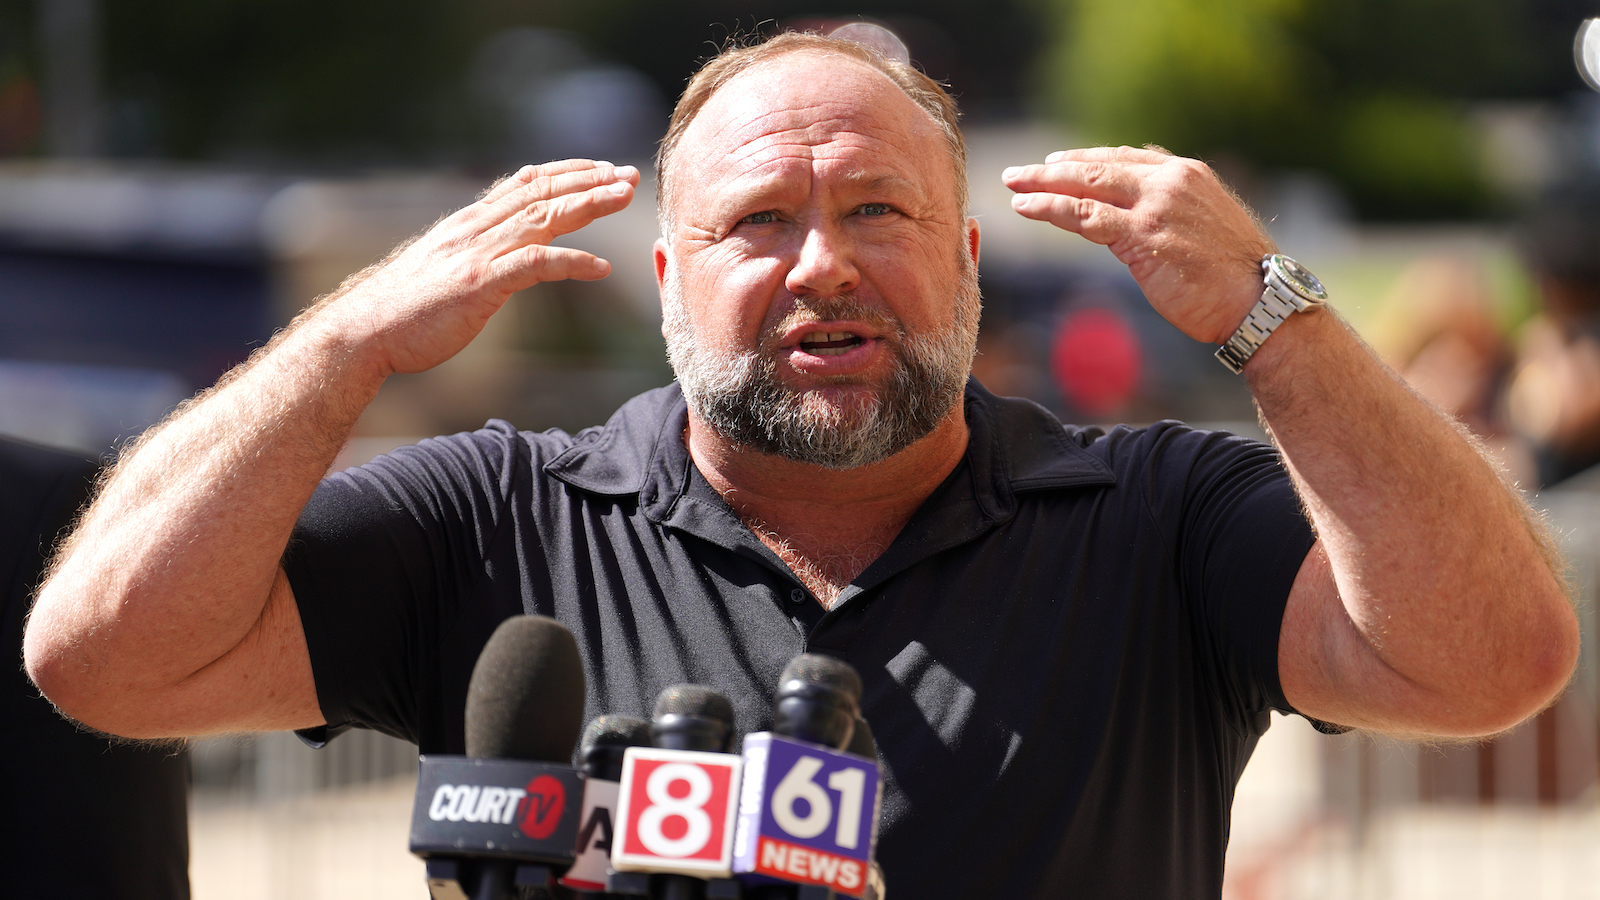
x=1288 y=289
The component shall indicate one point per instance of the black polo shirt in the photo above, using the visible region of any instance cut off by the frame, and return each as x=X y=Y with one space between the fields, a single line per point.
x=1068 y=653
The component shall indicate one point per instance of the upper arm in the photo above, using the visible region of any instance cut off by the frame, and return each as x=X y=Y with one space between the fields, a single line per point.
x=1330 y=672
x=264 y=683
x=261 y=683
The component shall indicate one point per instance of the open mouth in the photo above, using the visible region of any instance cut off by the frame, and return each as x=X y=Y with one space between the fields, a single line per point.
x=830 y=343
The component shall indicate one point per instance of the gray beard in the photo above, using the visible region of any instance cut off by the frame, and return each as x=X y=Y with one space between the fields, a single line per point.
x=743 y=400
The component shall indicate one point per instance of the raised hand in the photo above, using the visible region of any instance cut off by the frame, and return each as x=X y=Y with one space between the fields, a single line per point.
x=431 y=297
x=1192 y=246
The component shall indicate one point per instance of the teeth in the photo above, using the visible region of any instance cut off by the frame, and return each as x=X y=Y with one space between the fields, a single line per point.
x=813 y=342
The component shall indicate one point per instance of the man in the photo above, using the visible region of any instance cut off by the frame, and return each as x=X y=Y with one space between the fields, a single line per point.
x=1070 y=640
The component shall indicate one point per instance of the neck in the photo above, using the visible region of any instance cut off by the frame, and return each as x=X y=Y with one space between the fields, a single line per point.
x=827 y=525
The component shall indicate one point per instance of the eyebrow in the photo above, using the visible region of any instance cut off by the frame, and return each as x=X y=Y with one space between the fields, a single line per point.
x=744 y=191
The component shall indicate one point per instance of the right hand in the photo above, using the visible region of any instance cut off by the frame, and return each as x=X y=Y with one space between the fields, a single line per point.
x=431 y=297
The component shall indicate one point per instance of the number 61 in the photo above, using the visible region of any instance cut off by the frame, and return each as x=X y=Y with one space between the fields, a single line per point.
x=799 y=784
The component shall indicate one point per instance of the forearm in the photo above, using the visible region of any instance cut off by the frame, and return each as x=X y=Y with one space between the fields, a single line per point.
x=1430 y=604
x=1444 y=575
x=173 y=565
x=167 y=613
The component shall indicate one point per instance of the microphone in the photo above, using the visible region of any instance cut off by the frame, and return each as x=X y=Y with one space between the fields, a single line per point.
x=691 y=717
x=862 y=745
x=675 y=813
x=808 y=809
x=819 y=700
x=600 y=759
x=861 y=742
x=505 y=816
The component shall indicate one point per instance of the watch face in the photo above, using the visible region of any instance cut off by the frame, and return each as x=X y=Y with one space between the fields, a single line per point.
x=1297 y=278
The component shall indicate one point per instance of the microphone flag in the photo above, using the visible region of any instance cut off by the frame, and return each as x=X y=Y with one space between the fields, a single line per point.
x=807 y=813
x=675 y=812
x=501 y=808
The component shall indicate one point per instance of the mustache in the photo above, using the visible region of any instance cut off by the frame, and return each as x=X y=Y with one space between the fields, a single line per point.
x=845 y=306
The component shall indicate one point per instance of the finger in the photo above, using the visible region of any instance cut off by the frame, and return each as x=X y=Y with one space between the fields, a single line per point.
x=525 y=176
x=506 y=185
x=542 y=221
x=1109 y=182
x=1100 y=222
x=548 y=184
x=530 y=265
x=1150 y=154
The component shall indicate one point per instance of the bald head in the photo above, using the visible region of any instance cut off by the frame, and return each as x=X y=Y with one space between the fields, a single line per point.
x=726 y=67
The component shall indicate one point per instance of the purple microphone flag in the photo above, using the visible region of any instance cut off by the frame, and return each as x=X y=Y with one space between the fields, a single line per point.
x=808 y=814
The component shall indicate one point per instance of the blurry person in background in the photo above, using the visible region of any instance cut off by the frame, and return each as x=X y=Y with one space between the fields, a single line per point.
x=1554 y=399
x=1447 y=342
x=84 y=816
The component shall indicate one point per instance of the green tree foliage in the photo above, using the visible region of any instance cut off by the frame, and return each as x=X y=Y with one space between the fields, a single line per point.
x=371 y=82
x=296 y=78
x=1374 y=93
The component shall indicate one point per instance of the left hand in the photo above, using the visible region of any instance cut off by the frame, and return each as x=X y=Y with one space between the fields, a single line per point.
x=1190 y=244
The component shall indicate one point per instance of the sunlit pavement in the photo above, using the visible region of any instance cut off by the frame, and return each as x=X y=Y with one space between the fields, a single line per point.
x=345 y=844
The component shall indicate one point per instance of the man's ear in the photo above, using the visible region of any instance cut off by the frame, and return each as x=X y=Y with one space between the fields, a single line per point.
x=972 y=238
x=660 y=255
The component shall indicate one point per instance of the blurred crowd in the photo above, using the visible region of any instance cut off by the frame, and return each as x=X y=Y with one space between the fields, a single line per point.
x=1531 y=389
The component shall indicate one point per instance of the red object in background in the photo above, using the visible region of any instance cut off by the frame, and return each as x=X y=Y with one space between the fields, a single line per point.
x=1096 y=360
x=19 y=116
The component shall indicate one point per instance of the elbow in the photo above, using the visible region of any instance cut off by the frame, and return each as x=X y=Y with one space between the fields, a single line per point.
x=55 y=664
x=70 y=684
x=61 y=665
x=1532 y=676
x=1552 y=660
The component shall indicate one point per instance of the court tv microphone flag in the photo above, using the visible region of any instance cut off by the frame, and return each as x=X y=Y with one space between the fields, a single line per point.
x=505 y=816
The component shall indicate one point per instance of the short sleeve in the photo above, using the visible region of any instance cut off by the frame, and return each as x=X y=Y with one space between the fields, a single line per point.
x=1241 y=538
x=383 y=562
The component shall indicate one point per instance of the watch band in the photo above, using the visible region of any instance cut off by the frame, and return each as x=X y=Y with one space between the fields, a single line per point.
x=1265 y=317
x=1279 y=300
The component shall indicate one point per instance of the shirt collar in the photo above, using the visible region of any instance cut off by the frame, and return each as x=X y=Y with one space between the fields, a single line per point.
x=640 y=451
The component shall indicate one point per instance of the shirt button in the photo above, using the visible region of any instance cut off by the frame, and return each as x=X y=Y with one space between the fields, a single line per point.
x=797 y=596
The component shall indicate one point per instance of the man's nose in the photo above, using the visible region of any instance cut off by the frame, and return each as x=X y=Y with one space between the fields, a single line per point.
x=825 y=263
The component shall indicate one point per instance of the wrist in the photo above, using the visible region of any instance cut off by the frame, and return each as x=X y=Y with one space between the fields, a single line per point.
x=1287 y=289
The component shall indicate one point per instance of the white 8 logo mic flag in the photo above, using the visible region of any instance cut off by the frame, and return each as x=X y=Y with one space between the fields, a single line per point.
x=675 y=812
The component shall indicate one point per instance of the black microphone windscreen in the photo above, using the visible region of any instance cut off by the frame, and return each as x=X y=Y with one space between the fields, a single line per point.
x=694 y=700
x=861 y=742
x=691 y=717
x=819 y=700
x=825 y=671
x=525 y=699
x=604 y=742
x=615 y=731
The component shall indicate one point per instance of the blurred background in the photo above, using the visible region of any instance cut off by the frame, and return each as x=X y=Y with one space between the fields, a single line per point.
x=178 y=177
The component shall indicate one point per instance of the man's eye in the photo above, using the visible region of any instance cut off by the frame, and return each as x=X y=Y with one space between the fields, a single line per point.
x=760 y=218
x=875 y=209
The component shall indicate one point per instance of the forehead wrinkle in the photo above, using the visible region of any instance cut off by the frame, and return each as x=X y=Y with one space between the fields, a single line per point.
x=741 y=131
